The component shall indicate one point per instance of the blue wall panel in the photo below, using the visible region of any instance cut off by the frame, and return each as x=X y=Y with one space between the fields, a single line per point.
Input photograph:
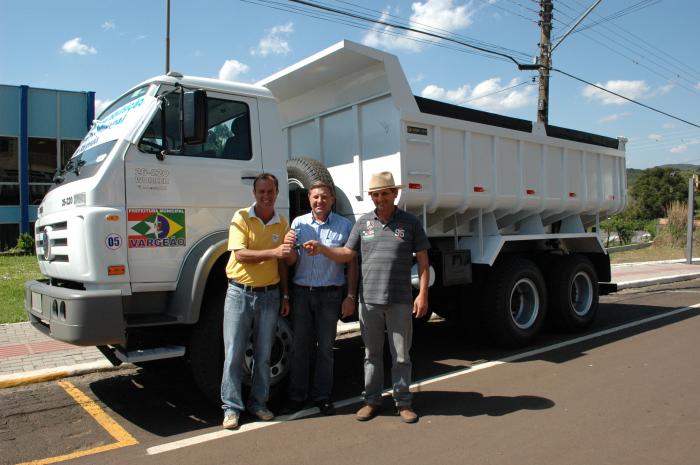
x=73 y=119
x=42 y=113
x=9 y=214
x=9 y=111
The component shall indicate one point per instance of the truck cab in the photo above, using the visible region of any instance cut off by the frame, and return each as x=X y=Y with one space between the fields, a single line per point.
x=136 y=222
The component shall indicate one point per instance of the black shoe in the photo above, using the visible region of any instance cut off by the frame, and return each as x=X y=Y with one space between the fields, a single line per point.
x=326 y=407
x=293 y=406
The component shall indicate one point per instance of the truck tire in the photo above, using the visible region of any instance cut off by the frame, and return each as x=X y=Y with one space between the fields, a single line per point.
x=301 y=173
x=518 y=304
x=573 y=293
x=206 y=350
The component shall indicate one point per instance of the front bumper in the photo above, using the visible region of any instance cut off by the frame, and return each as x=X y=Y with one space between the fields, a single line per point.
x=84 y=318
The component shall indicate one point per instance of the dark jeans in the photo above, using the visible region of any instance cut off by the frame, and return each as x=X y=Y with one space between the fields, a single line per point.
x=315 y=319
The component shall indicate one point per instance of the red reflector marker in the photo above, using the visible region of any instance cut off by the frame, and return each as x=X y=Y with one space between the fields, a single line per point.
x=572 y=194
x=479 y=189
x=116 y=270
x=530 y=191
x=415 y=185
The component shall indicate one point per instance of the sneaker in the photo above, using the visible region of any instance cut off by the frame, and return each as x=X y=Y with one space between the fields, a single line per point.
x=367 y=412
x=326 y=407
x=230 y=421
x=292 y=406
x=264 y=414
x=407 y=414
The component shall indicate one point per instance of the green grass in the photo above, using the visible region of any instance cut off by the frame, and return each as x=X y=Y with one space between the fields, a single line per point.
x=14 y=271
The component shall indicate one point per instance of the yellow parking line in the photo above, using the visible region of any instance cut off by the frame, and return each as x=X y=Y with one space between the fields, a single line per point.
x=122 y=437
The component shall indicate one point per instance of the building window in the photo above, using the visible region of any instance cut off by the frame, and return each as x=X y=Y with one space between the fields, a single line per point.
x=8 y=235
x=9 y=160
x=68 y=148
x=42 y=159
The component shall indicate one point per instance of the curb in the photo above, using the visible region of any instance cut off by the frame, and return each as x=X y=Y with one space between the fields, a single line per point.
x=51 y=374
x=655 y=281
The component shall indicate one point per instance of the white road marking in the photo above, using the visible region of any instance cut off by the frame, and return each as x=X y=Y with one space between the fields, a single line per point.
x=170 y=446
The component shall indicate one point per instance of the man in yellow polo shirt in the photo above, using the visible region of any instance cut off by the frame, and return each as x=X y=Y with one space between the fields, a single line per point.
x=257 y=274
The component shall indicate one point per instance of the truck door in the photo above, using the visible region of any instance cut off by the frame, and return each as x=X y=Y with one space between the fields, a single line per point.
x=174 y=202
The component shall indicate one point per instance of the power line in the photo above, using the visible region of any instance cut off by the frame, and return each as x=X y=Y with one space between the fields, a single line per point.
x=624 y=98
x=402 y=27
x=450 y=39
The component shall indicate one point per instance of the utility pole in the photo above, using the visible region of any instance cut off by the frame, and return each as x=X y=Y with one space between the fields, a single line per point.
x=545 y=60
x=167 y=36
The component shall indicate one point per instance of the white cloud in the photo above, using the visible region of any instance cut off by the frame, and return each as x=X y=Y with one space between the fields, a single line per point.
x=613 y=117
x=679 y=148
x=488 y=95
x=437 y=14
x=232 y=69
x=77 y=47
x=697 y=86
x=108 y=25
x=275 y=41
x=665 y=89
x=655 y=137
x=101 y=105
x=630 y=89
x=669 y=125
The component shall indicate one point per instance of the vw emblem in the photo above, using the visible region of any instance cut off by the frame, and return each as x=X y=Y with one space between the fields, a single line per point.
x=46 y=242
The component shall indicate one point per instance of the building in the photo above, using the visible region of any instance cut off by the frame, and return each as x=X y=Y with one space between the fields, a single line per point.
x=39 y=131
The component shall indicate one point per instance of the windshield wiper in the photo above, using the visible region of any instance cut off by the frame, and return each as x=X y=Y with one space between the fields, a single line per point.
x=78 y=165
x=58 y=177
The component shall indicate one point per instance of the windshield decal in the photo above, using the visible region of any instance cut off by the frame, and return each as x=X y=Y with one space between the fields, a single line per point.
x=119 y=124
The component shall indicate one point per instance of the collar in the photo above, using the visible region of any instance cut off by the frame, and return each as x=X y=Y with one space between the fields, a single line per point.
x=274 y=220
x=393 y=215
x=329 y=218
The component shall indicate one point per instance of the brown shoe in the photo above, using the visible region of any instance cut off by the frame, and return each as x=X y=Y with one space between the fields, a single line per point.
x=367 y=412
x=407 y=414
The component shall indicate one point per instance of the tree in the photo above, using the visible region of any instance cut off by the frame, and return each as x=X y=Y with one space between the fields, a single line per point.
x=656 y=188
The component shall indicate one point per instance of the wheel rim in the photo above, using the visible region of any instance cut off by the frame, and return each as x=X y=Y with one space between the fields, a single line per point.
x=581 y=295
x=524 y=303
x=279 y=355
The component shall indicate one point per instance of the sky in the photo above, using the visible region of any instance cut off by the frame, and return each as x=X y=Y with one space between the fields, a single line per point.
x=646 y=50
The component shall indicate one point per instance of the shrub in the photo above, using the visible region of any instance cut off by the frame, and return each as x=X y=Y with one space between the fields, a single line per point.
x=25 y=244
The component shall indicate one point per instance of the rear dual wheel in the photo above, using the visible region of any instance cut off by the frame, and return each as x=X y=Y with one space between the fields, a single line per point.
x=516 y=301
x=573 y=291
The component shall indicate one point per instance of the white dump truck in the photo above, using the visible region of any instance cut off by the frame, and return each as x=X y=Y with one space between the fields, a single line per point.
x=132 y=238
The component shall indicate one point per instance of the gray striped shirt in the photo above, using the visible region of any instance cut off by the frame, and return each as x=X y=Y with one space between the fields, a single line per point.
x=386 y=251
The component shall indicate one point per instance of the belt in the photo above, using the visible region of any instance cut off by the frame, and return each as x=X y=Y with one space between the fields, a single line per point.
x=318 y=288
x=248 y=288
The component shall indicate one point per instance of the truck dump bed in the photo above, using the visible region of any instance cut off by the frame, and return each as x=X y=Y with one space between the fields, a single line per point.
x=351 y=107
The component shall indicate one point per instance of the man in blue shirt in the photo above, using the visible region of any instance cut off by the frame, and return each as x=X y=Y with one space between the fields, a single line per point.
x=317 y=299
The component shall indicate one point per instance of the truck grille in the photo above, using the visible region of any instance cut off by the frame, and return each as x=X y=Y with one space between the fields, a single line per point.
x=52 y=242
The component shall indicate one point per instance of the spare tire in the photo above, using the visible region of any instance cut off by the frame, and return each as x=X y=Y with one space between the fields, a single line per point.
x=301 y=174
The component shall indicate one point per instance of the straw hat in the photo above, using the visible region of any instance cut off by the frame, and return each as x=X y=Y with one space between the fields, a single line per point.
x=383 y=180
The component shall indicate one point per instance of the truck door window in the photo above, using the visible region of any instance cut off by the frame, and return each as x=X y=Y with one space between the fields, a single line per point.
x=228 y=131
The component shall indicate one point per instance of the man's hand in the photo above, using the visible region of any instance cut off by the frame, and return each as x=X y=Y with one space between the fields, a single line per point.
x=420 y=305
x=348 y=307
x=290 y=238
x=284 y=307
x=284 y=250
x=313 y=247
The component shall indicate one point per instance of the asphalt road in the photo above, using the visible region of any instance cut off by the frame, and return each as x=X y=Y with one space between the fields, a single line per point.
x=626 y=392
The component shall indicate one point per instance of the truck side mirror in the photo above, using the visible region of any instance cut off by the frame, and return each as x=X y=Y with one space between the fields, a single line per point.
x=194 y=115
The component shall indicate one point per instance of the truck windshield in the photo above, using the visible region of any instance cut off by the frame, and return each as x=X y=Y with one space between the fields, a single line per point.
x=84 y=164
x=131 y=96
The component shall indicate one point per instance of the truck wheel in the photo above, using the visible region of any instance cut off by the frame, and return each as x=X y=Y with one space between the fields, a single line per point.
x=206 y=350
x=517 y=291
x=573 y=291
x=301 y=173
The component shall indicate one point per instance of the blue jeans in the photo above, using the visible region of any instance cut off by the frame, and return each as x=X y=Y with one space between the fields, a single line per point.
x=246 y=313
x=399 y=326
x=315 y=319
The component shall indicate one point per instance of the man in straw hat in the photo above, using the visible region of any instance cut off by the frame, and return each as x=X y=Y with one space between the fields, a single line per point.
x=386 y=239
